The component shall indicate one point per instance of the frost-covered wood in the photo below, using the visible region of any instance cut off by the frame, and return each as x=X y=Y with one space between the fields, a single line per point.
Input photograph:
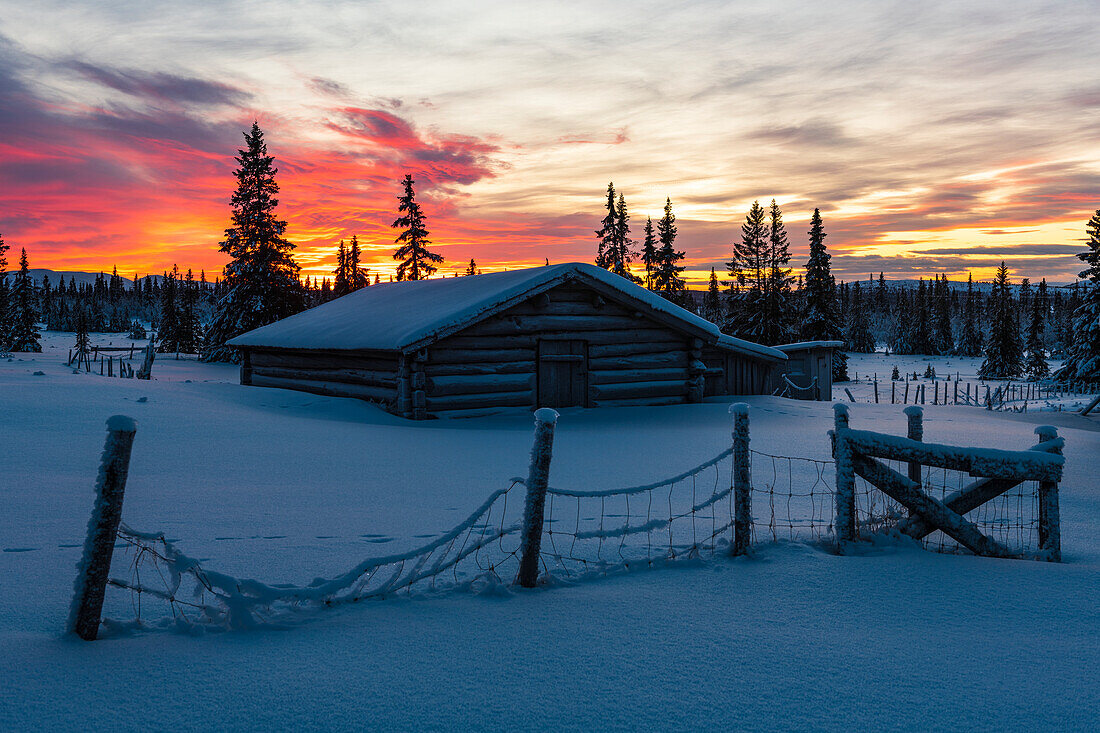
x=742 y=480
x=636 y=390
x=992 y=462
x=845 y=477
x=538 y=478
x=667 y=359
x=335 y=389
x=480 y=356
x=908 y=494
x=442 y=386
x=95 y=563
x=353 y=376
x=146 y=370
x=962 y=501
x=627 y=376
x=433 y=369
x=1050 y=521
x=518 y=398
x=639 y=402
x=914 y=431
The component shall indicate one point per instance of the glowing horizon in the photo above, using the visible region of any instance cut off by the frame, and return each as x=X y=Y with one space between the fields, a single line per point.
x=938 y=142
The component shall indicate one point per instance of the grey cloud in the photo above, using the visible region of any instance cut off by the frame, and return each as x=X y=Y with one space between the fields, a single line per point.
x=160 y=86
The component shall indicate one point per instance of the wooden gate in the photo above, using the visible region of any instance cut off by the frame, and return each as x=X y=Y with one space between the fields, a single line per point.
x=563 y=373
x=858 y=452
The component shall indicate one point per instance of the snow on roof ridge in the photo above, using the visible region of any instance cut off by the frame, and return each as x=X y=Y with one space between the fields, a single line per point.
x=810 y=345
x=724 y=339
x=400 y=315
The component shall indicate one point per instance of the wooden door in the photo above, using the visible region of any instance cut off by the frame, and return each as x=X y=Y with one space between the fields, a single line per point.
x=563 y=373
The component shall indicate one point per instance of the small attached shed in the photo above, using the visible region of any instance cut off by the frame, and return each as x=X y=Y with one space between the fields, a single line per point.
x=556 y=336
x=808 y=372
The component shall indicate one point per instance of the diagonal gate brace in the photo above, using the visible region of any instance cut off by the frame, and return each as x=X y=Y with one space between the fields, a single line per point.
x=935 y=513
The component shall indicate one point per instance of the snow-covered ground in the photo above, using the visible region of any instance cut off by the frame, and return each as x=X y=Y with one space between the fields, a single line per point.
x=285 y=486
x=864 y=368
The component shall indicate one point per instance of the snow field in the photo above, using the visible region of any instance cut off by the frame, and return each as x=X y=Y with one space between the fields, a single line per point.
x=284 y=487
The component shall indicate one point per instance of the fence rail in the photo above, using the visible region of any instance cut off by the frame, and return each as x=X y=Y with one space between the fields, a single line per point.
x=725 y=505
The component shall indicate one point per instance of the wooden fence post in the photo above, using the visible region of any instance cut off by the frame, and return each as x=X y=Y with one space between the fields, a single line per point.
x=742 y=480
x=1050 y=521
x=99 y=543
x=845 y=478
x=915 y=431
x=538 y=478
x=146 y=370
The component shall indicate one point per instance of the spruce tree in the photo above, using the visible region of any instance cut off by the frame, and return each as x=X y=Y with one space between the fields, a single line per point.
x=970 y=343
x=168 y=335
x=83 y=343
x=920 y=329
x=416 y=261
x=712 y=300
x=260 y=284
x=471 y=269
x=5 y=319
x=944 y=338
x=666 y=276
x=860 y=339
x=607 y=232
x=189 y=327
x=748 y=271
x=1083 y=362
x=621 y=253
x=24 y=311
x=821 y=316
x=820 y=309
x=777 y=323
x=1004 y=357
x=340 y=283
x=358 y=276
x=649 y=252
x=1036 y=366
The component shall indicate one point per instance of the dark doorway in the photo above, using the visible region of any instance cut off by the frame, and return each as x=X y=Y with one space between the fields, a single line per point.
x=563 y=373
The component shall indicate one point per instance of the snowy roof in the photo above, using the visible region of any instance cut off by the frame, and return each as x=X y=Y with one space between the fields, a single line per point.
x=803 y=345
x=403 y=315
x=741 y=345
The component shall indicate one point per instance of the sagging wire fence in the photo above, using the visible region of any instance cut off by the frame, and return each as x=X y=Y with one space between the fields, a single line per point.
x=723 y=506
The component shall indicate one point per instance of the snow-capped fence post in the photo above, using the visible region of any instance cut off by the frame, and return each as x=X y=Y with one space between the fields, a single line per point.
x=1050 y=522
x=99 y=543
x=146 y=370
x=742 y=480
x=538 y=478
x=845 y=478
x=915 y=431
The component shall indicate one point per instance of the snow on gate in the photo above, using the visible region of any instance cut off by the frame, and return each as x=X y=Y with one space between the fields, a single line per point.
x=723 y=506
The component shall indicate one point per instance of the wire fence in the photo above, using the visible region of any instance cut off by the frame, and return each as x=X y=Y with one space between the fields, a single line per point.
x=705 y=510
x=168 y=587
x=678 y=518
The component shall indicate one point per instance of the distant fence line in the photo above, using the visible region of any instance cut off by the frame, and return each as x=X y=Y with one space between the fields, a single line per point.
x=992 y=395
x=741 y=497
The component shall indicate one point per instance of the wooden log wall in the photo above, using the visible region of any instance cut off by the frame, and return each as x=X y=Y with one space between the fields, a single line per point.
x=368 y=375
x=632 y=358
x=728 y=373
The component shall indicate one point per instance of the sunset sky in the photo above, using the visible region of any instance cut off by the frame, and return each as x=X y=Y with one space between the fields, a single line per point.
x=935 y=137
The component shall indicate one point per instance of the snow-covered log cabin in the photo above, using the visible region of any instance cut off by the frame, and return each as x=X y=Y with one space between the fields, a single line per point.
x=556 y=336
